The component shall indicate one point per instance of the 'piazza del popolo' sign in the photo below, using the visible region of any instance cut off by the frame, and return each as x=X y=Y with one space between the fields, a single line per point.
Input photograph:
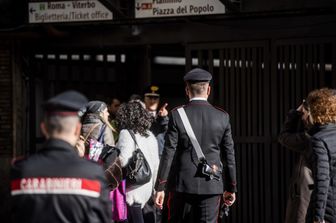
x=172 y=8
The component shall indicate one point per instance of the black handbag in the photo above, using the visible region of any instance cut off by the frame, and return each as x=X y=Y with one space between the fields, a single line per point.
x=137 y=172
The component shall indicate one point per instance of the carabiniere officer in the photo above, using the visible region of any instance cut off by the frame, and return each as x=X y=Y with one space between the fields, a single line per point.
x=55 y=184
x=194 y=196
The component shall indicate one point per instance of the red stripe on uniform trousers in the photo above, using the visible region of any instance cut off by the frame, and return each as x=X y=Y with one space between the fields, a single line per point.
x=169 y=205
x=218 y=206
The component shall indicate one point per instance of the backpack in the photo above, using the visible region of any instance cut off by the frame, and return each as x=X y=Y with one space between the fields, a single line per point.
x=107 y=156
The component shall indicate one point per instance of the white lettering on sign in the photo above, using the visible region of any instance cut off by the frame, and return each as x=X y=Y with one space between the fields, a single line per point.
x=56 y=185
x=68 y=11
x=162 y=8
x=50 y=183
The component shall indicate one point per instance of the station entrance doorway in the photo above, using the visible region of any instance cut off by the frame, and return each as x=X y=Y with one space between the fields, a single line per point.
x=257 y=82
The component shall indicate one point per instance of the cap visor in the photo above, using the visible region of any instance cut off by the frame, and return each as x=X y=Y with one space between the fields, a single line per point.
x=152 y=94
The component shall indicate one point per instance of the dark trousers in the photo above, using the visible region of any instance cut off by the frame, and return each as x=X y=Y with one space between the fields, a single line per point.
x=134 y=214
x=151 y=214
x=193 y=208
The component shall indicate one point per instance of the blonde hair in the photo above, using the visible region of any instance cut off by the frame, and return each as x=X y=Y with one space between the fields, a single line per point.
x=108 y=124
x=322 y=106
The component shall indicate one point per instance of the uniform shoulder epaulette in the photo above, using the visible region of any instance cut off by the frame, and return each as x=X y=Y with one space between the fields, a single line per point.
x=220 y=109
x=180 y=106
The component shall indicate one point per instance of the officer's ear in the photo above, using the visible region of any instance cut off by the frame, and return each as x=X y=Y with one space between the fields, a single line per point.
x=44 y=130
x=187 y=91
x=78 y=129
x=209 y=90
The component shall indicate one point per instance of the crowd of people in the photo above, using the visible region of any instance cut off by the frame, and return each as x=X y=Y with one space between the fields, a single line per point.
x=136 y=162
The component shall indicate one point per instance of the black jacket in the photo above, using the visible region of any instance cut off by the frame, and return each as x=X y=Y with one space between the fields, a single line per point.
x=159 y=125
x=323 y=165
x=55 y=185
x=179 y=161
x=294 y=137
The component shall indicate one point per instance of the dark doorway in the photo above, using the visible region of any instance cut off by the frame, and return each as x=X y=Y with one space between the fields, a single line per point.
x=255 y=81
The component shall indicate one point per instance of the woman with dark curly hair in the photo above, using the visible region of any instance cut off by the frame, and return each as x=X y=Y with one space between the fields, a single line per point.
x=322 y=108
x=133 y=116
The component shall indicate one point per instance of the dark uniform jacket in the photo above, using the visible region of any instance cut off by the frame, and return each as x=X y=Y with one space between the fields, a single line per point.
x=55 y=185
x=159 y=125
x=179 y=161
x=294 y=137
x=159 y=128
x=323 y=165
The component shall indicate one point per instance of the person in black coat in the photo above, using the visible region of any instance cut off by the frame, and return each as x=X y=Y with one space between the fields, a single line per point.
x=193 y=196
x=55 y=184
x=158 y=128
x=295 y=136
x=152 y=101
x=322 y=157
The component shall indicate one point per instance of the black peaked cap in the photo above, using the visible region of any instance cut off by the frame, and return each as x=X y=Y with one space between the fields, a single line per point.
x=71 y=101
x=197 y=75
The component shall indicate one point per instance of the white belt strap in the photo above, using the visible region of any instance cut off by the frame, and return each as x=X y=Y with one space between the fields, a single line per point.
x=191 y=134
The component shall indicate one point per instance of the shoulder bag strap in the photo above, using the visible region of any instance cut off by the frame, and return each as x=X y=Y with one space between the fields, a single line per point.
x=191 y=134
x=133 y=137
x=92 y=128
x=101 y=134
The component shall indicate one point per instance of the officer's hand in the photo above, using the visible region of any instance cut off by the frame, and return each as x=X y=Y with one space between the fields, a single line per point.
x=159 y=198
x=229 y=198
x=163 y=111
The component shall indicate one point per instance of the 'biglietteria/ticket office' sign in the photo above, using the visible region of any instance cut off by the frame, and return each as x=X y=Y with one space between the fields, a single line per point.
x=68 y=11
